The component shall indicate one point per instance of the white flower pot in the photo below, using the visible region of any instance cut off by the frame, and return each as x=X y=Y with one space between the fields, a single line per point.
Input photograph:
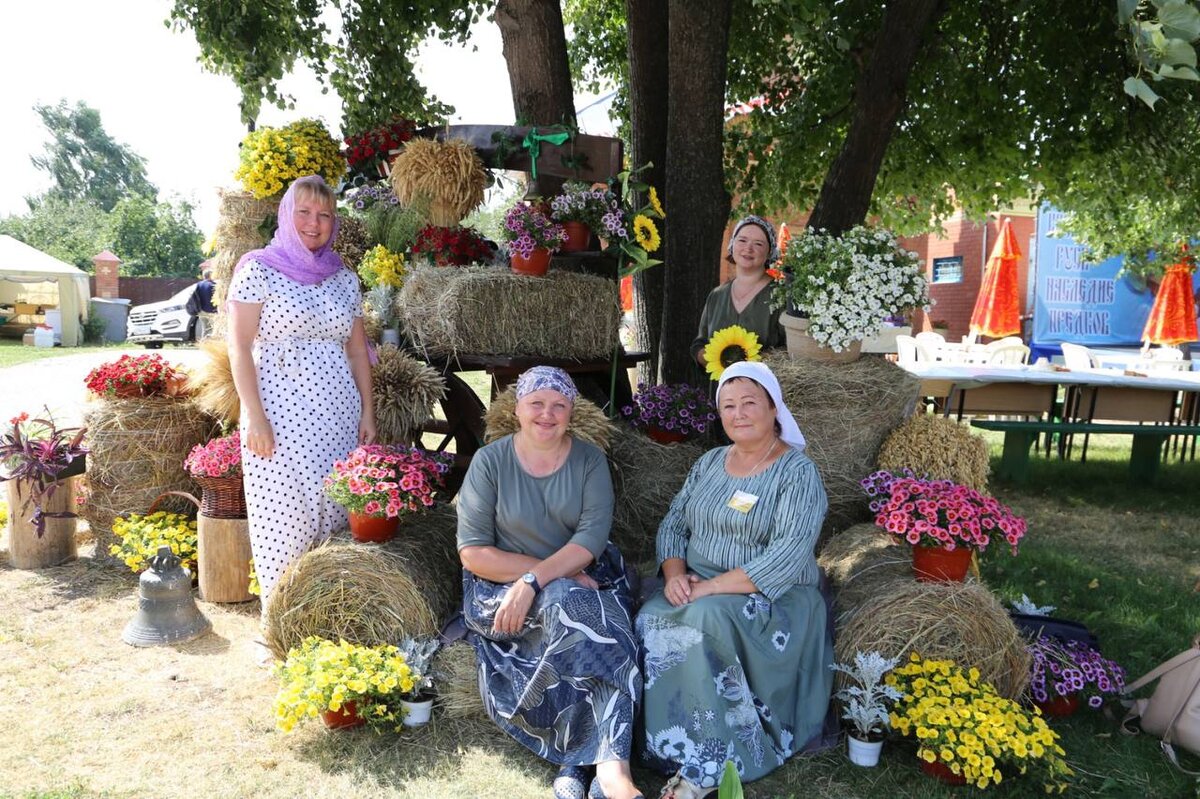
x=391 y=335
x=862 y=753
x=416 y=713
x=803 y=346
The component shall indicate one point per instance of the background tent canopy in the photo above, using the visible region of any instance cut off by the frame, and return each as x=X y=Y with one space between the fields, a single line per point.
x=30 y=275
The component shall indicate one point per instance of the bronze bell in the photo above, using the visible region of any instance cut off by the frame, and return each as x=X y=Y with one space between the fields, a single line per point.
x=166 y=613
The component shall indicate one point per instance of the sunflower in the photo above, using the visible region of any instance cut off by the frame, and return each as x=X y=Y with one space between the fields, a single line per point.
x=728 y=346
x=646 y=233
x=656 y=204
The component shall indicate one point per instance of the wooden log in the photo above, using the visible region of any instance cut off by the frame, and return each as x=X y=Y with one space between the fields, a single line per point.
x=223 y=559
x=57 y=543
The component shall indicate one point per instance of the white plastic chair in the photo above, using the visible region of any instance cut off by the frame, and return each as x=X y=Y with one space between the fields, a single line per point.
x=1076 y=357
x=1166 y=354
x=930 y=339
x=906 y=350
x=1007 y=354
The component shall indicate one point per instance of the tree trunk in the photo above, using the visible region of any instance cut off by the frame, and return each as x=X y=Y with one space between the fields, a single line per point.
x=696 y=197
x=879 y=99
x=648 y=96
x=535 y=49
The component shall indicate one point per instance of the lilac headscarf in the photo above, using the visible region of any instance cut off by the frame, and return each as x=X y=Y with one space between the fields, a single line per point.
x=287 y=254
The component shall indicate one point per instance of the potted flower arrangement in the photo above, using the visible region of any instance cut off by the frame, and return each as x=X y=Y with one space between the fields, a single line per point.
x=418 y=702
x=580 y=209
x=348 y=685
x=142 y=535
x=271 y=158
x=865 y=704
x=452 y=246
x=670 y=412
x=382 y=267
x=217 y=467
x=379 y=306
x=367 y=151
x=969 y=734
x=377 y=484
x=840 y=289
x=136 y=376
x=37 y=457
x=1065 y=671
x=944 y=521
x=531 y=236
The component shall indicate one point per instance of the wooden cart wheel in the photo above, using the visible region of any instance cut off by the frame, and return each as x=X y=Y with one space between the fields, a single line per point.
x=464 y=426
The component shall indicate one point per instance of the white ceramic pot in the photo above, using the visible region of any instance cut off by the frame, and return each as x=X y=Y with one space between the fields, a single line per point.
x=801 y=345
x=416 y=713
x=390 y=335
x=862 y=753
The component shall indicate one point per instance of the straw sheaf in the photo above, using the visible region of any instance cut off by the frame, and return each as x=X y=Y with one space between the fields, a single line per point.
x=212 y=387
x=405 y=391
x=487 y=310
x=845 y=411
x=368 y=593
x=136 y=449
x=352 y=241
x=457 y=674
x=448 y=174
x=938 y=448
x=588 y=422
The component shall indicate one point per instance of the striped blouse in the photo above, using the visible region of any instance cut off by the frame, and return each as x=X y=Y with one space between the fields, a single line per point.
x=773 y=542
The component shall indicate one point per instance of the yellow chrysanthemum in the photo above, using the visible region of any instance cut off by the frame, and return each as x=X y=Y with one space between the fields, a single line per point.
x=646 y=233
x=728 y=346
x=656 y=204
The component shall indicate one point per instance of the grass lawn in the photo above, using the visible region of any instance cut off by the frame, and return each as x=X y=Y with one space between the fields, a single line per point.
x=14 y=353
x=101 y=719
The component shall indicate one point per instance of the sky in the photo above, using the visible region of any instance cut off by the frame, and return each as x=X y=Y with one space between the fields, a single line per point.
x=154 y=96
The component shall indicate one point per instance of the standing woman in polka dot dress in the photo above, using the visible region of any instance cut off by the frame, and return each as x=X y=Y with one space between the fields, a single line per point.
x=298 y=352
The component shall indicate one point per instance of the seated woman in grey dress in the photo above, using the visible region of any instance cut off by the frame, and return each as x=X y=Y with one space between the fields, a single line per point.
x=546 y=599
x=737 y=650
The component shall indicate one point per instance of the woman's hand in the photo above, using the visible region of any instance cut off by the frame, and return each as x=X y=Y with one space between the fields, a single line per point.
x=700 y=588
x=366 y=429
x=678 y=589
x=258 y=437
x=587 y=582
x=513 y=609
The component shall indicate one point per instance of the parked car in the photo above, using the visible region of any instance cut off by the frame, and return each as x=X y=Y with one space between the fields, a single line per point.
x=156 y=322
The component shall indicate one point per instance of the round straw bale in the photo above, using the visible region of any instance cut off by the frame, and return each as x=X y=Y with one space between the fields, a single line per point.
x=845 y=411
x=405 y=391
x=588 y=422
x=938 y=448
x=457 y=674
x=367 y=593
x=448 y=174
x=136 y=449
x=212 y=386
x=489 y=310
x=963 y=622
x=858 y=558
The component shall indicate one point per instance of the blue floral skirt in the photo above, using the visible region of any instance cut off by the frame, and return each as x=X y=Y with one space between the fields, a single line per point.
x=568 y=684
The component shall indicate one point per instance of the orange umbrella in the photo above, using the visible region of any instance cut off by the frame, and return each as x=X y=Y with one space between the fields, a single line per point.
x=1173 y=318
x=997 y=308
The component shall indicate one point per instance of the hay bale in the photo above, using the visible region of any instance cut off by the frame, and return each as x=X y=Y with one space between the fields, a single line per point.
x=457 y=675
x=488 y=310
x=938 y=448
x=963 y=622
x=405 y=390
x=846 y=411
x=860 y=559
x=588 y=422
x=212 y=386
x=646 y=477
x=366 y=593
x=136 y=449
x=240 y=228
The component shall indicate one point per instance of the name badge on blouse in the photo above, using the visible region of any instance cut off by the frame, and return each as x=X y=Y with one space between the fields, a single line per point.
x=742 y=502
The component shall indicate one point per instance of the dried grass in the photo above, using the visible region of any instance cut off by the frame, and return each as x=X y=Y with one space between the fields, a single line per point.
x=352 y=240
x=859 y=559
x=367 y=593
x=938 y=448
x=486 y=310
x=239 y=230
x=458 y=681
x=405 y=391
x=588 y=422
x=212 y=385
x=448 y=174
x=845 y=411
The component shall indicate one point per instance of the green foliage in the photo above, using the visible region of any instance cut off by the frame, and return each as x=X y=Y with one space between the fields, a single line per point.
x=73 y=231
x=155 y=239
x=731 y=783
x=85 y=162
x=93 y=328
x=395 y=226
x=1161 y=37
x=367 y=59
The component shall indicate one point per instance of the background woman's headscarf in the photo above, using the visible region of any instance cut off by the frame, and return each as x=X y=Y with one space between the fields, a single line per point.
x=540 y=378
x=287 y=254
x=789 y=431
x=766 y=227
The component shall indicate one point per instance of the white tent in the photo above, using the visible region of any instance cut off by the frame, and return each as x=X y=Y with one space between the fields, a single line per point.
x=28 y=275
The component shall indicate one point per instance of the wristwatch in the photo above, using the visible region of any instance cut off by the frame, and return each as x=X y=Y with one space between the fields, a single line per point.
x=531 y=580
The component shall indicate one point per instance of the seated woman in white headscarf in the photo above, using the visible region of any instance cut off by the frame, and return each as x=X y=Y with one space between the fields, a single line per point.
x=546 y=598
x=737 y=645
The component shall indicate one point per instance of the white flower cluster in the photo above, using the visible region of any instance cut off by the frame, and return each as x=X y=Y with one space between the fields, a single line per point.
x=849 y=285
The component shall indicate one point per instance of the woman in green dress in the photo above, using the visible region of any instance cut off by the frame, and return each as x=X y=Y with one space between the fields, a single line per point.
x=737 y=646
x=745 y=300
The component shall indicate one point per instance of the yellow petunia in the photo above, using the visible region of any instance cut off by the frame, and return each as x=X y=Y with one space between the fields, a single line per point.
x=646 y=233
x=728 y=346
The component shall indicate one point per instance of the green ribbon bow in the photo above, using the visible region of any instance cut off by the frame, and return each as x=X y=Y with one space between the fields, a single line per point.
x=533 y=143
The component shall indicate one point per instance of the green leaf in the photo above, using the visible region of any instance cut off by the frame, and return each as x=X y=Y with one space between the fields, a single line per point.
x=1180 y=20
x=1125 y=9
x=1136 y=87
x=731 y=783
x=1178 y=52
x=1179 y=73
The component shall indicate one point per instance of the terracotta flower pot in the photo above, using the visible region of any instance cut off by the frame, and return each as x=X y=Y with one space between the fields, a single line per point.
x=938 y=565
x=579 y=235
x=803 y=346
x=940 y=771
x=343 y=719
x=1060 y=706
x=372 y=529
x=535 y=265
x=665 y=436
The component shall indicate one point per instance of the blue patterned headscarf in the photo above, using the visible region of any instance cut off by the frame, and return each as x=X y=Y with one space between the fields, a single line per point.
x=767 y=228
x=541 y=378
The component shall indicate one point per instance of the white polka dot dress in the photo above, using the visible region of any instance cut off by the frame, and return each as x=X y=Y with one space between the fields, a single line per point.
x=312 y=403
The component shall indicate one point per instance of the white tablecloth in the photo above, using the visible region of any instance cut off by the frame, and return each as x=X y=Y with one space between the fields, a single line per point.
x=973 y=376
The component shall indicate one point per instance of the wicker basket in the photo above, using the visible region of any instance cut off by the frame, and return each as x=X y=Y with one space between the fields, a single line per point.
x=222 y=497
